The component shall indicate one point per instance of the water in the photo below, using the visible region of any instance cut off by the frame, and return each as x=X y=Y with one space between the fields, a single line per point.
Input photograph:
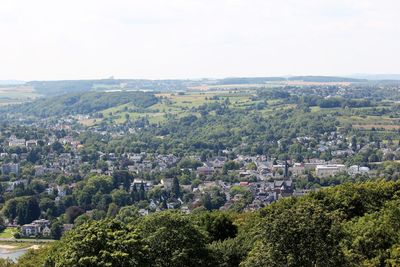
x=12 y=254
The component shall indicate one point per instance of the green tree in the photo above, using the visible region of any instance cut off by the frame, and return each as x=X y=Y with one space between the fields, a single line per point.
x=72 y=213
x=176 y=189
x=173 y=240
x=297 y=234
x=56 y=230
x=121 y=197
x=218 y=225
x=112 y=210
x=128 y=214
x=102 y=243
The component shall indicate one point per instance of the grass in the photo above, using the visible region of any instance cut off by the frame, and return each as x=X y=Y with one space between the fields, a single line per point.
x=88 y=122
x=373 y=121
x=315 y=109
x=8 y=233
x=174 y=104
x=17 y=93
x=377 y=126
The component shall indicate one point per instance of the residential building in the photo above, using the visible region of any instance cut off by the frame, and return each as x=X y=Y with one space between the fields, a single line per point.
x=329 y=170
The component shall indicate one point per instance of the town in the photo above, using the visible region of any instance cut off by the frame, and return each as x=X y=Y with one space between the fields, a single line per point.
x=56 y=166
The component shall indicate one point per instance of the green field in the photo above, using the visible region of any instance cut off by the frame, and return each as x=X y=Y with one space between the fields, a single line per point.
x=177 y=105
x=8 y=233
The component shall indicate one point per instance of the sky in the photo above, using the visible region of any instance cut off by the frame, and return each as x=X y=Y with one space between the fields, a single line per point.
x=168 y=39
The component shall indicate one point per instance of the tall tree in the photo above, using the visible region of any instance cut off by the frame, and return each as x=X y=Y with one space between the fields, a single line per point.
x=176 y=189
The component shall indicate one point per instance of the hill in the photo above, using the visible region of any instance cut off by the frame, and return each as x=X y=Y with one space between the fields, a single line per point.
x=377 y=77
x=325 y=79
x=51 y=88
x=248 y=80
x=83 y=103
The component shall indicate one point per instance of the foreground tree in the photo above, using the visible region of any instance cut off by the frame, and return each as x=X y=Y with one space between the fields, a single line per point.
x=173 y=240
x=102 y=243
x=297 y=233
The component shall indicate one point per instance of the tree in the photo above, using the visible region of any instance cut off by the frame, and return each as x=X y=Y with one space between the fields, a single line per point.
x=128 y=214
x=57 y=147
x=123 y=178
x=134 y=194
x=121 y=197
x=26 y=210
x=10 y=209
x=176 y=190
x=72 y=213
x=173 y=240
x=231 y=165
x=48 y=205
x=142 y=192
x=206 y=201
x=298 y=233
x=373 y=238
x=102 y=243
x=112 y=210
x=354 y=143
x=33 y=156
x=218 y=225
x=2 y=224
x=56 y=230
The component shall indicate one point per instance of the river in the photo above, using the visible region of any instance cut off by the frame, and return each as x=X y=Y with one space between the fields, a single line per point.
x=12 y=254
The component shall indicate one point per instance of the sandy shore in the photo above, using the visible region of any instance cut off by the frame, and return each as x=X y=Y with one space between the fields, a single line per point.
x=11 y=247
x=34 y=247
x=8 y=247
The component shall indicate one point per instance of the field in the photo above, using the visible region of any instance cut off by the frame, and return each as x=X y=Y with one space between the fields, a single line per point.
x=370 y=122
x=179 y=104
x=16 y=94
x=365 y=122
x=8 y=233
x=377 y=126
x=175 y=104
x=269 y=84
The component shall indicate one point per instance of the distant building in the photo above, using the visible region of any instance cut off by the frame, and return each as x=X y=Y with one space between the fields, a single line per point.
x=138 y=183
x=167 y=183
x=10 y=168
x=329 y=170
x=36 y=227
x=31 y=143
x=298 y=169
x=353 y=170
x=16 y=142
x=29 y=230
x=205 y=171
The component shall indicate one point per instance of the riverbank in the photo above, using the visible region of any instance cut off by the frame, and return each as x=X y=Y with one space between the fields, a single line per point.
x=15 y=249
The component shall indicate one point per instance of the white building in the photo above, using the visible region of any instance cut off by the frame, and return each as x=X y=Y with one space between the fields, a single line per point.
x=329 y=170
x=355 y=169
x=14 y=141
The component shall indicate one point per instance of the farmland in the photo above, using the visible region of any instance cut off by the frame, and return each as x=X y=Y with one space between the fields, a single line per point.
x=178 y=105
x=16 y=94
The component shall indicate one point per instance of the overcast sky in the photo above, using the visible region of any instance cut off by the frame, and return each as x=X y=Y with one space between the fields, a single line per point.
x=81 y=39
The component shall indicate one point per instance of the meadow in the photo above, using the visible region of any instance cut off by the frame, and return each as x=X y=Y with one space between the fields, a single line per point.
x=178 y=105
x=16 y=94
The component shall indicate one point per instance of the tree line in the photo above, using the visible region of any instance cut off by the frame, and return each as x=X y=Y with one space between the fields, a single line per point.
x=348 y=225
